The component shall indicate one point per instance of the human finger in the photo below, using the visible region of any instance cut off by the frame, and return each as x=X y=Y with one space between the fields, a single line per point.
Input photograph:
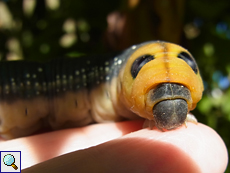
x=192 y=149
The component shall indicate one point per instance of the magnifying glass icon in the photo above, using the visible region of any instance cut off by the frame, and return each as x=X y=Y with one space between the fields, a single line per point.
x=9 y=160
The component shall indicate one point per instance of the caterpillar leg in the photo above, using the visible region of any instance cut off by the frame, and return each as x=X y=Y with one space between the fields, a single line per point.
x=151 y=123
x=190 y=118
x=148 y=124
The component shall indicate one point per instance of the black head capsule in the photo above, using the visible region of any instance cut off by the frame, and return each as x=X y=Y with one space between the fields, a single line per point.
x=170 y=114
x=171 y=108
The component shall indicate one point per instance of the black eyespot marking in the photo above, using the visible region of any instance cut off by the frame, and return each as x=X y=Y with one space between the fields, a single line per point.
x=189 y=60
x=139 y=63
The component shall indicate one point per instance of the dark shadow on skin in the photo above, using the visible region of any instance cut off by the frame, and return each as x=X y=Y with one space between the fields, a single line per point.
x=122 y=155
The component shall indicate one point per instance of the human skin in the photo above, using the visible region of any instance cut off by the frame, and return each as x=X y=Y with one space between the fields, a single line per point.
x=122 y=147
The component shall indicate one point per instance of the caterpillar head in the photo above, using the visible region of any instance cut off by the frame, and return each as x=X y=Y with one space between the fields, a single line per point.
x=161 y=82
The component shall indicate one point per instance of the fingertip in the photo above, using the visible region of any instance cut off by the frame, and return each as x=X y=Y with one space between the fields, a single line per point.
x=201 y=144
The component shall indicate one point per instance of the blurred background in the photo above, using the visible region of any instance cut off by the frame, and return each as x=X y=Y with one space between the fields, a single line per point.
x=46 y=29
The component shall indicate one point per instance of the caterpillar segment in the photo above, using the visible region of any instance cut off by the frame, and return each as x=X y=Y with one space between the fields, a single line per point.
x=155 y=80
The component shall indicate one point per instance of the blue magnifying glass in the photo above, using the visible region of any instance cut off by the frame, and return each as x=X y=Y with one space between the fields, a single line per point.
x=9 y=160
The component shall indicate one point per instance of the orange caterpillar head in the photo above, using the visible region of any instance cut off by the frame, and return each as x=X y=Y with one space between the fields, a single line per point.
x=161 y=82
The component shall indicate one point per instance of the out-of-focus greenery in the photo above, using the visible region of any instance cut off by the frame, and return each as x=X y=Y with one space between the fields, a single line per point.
x=211 y=49
x=45 y=29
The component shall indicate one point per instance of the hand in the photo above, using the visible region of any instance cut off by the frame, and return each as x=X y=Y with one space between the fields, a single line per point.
x=196 y=148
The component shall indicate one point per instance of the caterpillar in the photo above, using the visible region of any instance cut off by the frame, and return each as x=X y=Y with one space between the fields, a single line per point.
x=155 y=80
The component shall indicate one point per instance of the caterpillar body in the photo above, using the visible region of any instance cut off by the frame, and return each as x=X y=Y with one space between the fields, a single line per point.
x=155 y=80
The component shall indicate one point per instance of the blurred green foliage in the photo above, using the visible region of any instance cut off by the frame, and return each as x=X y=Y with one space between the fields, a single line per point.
x=40 y=31
x=50 y=29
